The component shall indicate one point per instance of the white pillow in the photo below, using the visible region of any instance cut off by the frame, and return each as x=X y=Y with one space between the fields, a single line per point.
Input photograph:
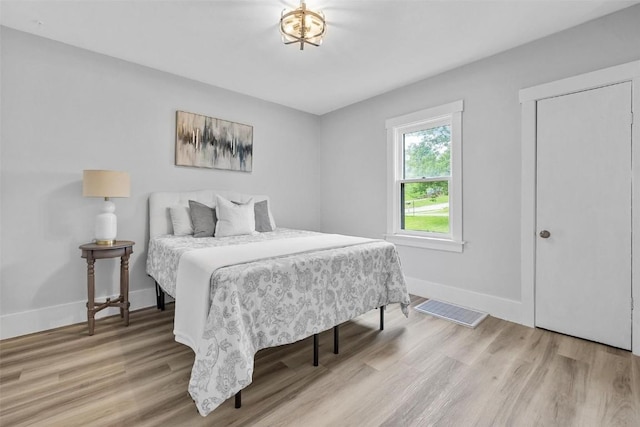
x=234 y=219
x=181 y=220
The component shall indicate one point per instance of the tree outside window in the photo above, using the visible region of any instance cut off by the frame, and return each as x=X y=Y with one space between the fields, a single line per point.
x=427 y=156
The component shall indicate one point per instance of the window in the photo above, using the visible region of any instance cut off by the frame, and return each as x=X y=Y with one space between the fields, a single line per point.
x=425 y=178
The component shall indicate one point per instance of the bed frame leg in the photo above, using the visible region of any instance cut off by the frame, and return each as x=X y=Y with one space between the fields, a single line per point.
x=159 y=297
x=382 y=308
x=239 y=399
x=336 y=339
x=315 y=349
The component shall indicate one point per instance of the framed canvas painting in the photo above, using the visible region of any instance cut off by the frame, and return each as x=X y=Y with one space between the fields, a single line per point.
x=207 y=142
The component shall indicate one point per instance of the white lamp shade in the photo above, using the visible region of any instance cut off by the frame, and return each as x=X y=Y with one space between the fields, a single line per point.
x=103 y=183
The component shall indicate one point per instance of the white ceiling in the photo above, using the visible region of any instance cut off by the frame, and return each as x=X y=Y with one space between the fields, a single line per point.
x=371 y=46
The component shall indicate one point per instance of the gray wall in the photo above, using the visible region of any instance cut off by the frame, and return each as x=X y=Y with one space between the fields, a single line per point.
x=353 y=151
x=65 y=109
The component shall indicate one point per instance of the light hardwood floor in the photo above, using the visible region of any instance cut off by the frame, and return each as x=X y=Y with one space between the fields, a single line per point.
x=418 y=371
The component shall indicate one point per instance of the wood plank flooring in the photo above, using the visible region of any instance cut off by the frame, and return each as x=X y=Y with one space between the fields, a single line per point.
x=418 y=371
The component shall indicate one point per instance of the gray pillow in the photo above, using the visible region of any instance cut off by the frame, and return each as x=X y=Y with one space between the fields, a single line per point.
x=203 y=218
x=263 y=223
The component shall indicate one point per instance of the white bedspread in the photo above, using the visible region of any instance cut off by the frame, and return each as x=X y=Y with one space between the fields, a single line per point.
x=196 y=267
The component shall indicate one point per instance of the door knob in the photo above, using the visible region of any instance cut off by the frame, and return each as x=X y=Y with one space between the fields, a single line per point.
x=545 y=234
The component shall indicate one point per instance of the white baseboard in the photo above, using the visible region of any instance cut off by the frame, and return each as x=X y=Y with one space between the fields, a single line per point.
x=27 y=322
x=502 y=308
x=42 y=319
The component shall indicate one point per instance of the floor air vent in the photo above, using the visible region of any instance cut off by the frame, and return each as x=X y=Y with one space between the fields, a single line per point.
x=454 y=313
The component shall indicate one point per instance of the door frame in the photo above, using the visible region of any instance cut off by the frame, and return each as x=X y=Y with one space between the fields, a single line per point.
x=629 y=72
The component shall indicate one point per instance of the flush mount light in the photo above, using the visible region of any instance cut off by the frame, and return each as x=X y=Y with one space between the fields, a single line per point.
x=302 y=26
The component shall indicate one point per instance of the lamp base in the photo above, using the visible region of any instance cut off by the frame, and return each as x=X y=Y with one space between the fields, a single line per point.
x=105 y=242
x=106 y=225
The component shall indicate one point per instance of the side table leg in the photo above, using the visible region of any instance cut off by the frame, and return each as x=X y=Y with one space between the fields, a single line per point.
x=124 y=287
x=91 y=286
x=122 y=300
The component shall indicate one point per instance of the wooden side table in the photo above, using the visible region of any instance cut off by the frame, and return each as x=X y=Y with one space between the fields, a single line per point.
x=91 y=252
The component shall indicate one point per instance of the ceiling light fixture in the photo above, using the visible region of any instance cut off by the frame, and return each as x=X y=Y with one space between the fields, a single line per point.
x=302 y=26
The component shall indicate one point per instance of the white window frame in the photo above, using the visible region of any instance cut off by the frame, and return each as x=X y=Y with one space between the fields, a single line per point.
x=396 y=128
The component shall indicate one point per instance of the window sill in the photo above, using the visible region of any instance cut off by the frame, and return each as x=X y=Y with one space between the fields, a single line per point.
x=425 y=242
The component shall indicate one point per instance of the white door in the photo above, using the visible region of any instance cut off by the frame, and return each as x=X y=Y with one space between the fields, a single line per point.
x=583 y=248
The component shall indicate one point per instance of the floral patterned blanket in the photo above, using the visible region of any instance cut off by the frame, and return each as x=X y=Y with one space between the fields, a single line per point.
x=279 y=301
x=165 y=251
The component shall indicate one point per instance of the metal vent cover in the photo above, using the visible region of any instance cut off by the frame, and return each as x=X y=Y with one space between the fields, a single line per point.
x=452 y=312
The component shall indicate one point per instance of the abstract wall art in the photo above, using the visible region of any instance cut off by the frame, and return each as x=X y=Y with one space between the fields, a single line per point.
x=207 y=142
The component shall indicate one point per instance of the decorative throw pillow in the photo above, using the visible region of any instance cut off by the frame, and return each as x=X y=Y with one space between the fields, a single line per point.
x=203 y=218
x=263 y=223
x=261 y=212
x=181 y=220
x=234 y=219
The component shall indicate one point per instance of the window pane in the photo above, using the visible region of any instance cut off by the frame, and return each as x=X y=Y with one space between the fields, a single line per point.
x=427 y=153
x=425 y=206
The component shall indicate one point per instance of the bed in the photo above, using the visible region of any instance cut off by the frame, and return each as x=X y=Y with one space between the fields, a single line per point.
x=237 y=294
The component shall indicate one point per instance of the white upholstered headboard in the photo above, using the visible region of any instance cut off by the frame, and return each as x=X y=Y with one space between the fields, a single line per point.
x=160 y=202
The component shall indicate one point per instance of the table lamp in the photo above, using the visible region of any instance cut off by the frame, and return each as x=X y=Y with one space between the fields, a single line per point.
x=107 y=184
